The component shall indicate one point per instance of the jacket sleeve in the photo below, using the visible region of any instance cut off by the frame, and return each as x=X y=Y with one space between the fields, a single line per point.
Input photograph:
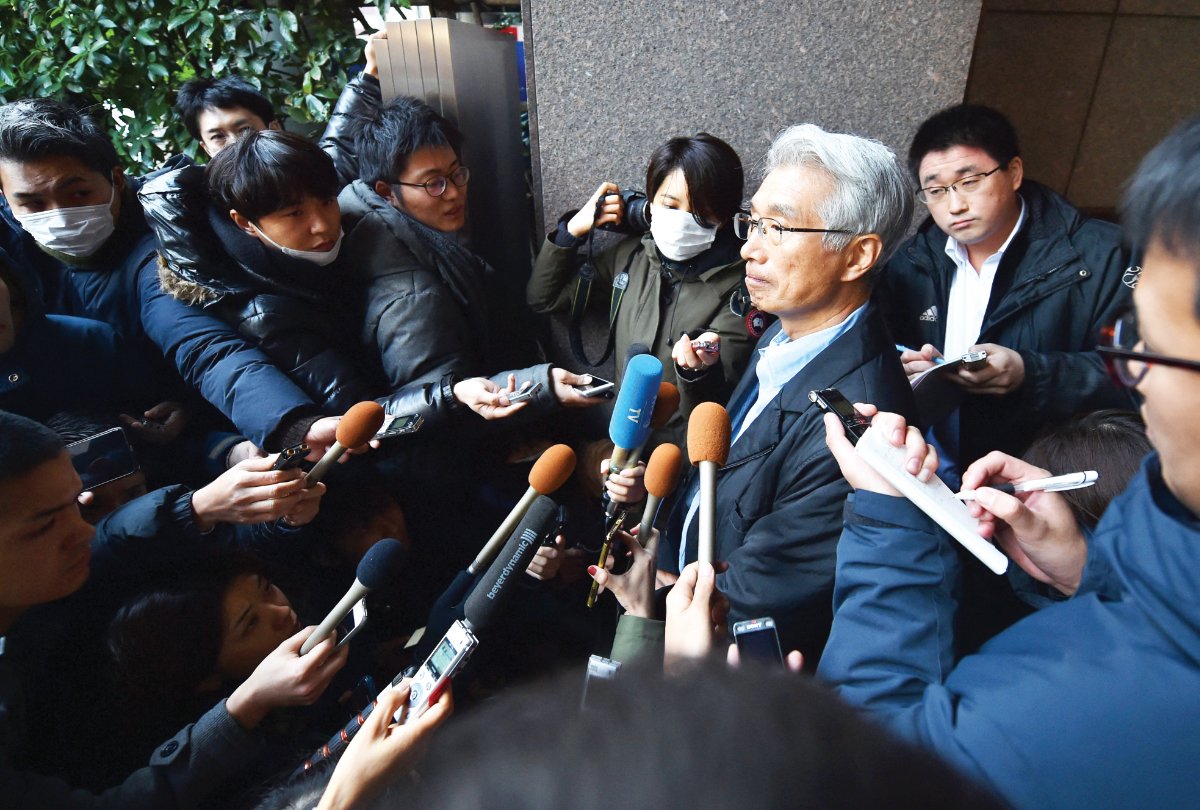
x=285 y=331
x=891 y=648
x=236 y=377
x=1061 y=384
x=182 y=772
x=360 y=98
x=551 y=286
x=151 y=532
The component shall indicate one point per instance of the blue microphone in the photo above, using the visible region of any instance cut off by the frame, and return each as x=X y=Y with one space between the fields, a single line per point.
x=630 y=423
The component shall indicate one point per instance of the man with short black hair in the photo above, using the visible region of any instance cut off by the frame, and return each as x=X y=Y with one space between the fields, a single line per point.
x=75 y=227
x=216 y=111
x=1004 y=265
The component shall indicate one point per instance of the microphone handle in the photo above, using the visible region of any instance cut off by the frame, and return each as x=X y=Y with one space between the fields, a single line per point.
x=341 y=610
x=622 y=459
x=501 y=534
x=335 y=451
x=649 y=515
x=706 y=551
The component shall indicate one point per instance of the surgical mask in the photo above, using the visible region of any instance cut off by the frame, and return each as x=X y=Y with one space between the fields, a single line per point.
x=317 y=257
x=77 y=232
x=677 y=233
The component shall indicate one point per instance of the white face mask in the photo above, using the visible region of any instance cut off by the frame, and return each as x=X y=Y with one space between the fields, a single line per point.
x=317 y=257
x=677 y=233
x=76 y=232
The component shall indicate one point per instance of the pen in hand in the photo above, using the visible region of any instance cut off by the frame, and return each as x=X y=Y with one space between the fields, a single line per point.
x=1057 y=483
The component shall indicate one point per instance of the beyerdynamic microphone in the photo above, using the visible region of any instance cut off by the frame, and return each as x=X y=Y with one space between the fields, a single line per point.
x=630 y=423
x=355 y=429
x=662 y=474
x=378 y=567
x=550 y=471
x=482 y=607
x=495 y=586
x=708 y=449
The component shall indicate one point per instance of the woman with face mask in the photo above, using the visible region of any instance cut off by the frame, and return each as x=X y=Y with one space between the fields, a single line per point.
x=677 y=282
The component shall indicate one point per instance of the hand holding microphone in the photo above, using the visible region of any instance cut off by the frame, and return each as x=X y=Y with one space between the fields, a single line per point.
x=378 y=567
x=708 y=448
x=630 y=424
x=355 y=429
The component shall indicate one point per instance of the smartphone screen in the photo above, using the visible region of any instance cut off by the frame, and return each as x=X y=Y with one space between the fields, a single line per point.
x=353 y=623
x=102 y=458
x=758 y=641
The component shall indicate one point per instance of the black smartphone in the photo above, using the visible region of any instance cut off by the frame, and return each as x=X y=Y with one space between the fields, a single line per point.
x=400 y=426
x=830 y=400
x=103 y=458
x=598 y=387
x=757 y=640
x=290 y=457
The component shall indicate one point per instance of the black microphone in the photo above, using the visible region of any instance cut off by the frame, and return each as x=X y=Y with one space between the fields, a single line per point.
x=378 y=567
x=479 y=611
x=450 y=606
x=494 y=588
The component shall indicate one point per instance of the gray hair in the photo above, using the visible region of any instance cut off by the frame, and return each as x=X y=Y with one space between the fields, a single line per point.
x=871 y=193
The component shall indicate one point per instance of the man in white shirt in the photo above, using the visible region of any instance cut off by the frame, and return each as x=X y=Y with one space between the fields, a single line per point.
x=1006 y=266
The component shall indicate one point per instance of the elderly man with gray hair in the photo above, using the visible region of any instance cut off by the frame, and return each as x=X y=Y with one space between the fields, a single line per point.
x=831 y=209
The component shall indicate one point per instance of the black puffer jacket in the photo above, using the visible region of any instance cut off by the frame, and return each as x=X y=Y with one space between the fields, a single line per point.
x=425 y=305
x=1062 y=278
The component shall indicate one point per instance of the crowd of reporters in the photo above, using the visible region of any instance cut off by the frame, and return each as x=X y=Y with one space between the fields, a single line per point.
x=219 y=319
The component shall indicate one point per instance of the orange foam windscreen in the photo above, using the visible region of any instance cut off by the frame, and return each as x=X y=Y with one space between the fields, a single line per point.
x=708 y=434
x=662 y=471
x=360 y=424
x=552 y=469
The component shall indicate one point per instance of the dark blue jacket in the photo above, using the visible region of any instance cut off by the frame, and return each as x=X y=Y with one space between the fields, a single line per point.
x=119 y=285
x=780 y=493
x=1094 y=702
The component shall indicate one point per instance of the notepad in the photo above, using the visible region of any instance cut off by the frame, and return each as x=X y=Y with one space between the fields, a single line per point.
x=933 y=498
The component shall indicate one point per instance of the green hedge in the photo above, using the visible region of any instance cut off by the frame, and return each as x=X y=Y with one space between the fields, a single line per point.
x=130 y=56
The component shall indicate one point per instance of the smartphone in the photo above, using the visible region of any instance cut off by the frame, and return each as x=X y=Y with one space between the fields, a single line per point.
x=524 y=394
x=447 y=658
x=103 y=458
x=830 y=400
x=598 y=387
x=350 y=626
x=973 y=361
x=400 y=426
x=601 y=672
x=290 y=457
x=757 y=640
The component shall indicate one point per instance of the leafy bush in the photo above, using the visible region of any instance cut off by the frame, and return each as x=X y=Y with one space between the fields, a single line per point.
x=130 y=56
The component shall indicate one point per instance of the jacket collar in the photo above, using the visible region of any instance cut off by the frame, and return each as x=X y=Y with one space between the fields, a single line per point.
x=859 y=345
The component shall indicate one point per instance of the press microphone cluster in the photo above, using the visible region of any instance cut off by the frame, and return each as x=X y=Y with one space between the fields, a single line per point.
x=379 y=566
x=481 y=610
x=708 y=448
x=357 y=427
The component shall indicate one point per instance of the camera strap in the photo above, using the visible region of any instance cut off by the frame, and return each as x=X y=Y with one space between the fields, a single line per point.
x=583 y=292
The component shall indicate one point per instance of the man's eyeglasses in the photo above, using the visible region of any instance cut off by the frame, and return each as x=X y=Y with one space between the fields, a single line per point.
x=437 y=186
x=770 y=229
x=964 y=185
x=1125 y=364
